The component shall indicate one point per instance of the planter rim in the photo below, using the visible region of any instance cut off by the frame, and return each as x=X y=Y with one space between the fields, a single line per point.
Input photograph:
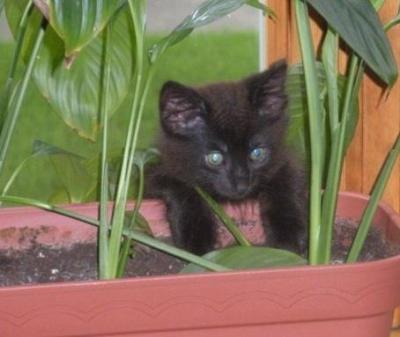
x=338 y=268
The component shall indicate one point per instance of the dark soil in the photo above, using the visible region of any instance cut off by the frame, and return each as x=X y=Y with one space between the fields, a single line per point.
x=40 y=264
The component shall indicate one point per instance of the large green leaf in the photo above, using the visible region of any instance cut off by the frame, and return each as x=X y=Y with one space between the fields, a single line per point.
x=377 y=3
x=295 y=87
x=74 y=182
x=358 y=25
x=71 y=171
x=298 y=127
x=354 y=113
x=1 y=6
x=77 y=22
x=240 y=257
x=208 y=12
x=74 y=92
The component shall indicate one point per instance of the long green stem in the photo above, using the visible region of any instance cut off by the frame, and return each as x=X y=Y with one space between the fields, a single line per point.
x=15 y=174
x=376 y=195
x=133 y=234
x=16 y=56
x=337 y=158
x=330 y=53
x=314 y=120
x=12 y=116
x=226 y=220
x=126 y=246
x=123 y=183
x=104 y=270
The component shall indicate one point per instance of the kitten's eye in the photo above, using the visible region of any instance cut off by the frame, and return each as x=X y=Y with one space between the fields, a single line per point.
x=258 y=154
x=214 y=158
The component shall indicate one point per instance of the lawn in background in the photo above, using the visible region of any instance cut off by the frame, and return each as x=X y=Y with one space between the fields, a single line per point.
x=200 y=59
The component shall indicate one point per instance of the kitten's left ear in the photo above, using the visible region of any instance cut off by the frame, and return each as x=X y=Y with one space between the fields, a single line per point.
x=268 y=91
x=182 y=110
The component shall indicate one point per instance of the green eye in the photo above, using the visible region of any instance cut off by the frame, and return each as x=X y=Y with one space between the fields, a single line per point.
x=214 y=158
x=258 y=154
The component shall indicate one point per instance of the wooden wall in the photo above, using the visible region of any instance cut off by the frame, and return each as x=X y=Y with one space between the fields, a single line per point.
x=380 y=119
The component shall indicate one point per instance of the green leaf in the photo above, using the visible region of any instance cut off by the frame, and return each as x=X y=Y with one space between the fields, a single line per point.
x=240 y=257
x=78 y=22
x=74 y=92
x=392 y=23
x=260 y=5
x=354 y=113
x=208 y=12
x=296 y=90
x=140 y=223
x=70 y=168
x=298 y=126
x=144 y=157
x=1 y=6
x=377 y=4
x=329 y=56
x=358 y=25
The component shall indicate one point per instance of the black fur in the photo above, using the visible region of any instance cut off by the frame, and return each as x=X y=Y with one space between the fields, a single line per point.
x=232 y=118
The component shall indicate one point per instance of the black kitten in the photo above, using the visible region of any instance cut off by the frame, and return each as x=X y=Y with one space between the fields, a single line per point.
x=228 y=138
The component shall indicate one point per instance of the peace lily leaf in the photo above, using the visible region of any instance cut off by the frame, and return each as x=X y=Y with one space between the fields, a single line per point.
x=76 y=181
x=393 y=23
x=208 y=12
x=141 y=224
x=358 y=25
x=78 y=22
x=295 y=87
x=74 y=93
x=70 y=168
x=354 y=111
x=240 y=257
x=1 y=6
x=377 y=3
x=261 y=5
x=139 y=8
x=296 y=136
x=144 y=157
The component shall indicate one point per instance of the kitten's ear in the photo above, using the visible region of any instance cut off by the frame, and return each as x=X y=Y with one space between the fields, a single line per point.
x=182 y=110
x=268 y=91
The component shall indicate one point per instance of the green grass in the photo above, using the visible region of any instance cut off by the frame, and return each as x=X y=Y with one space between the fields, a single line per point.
x=202 y=58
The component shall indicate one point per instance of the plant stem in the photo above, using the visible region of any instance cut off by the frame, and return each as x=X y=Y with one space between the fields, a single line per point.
x=225 y=219
x=133 y=234
x=336 y=164
x=376 y=195
x=124 y=177
x=14 y=175
x=126 y=246
x=12 y=116
x=104 y=270
x=330 y=51
x=314 y=120
x=16 y=55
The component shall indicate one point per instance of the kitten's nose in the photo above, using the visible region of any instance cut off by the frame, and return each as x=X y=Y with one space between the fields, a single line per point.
x=241 y=186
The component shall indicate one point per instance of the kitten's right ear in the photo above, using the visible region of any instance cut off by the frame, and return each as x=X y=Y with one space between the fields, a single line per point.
x=267 y=91
x=182 y=110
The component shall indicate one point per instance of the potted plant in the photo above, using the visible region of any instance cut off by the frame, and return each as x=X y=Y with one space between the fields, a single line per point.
x=269 y=302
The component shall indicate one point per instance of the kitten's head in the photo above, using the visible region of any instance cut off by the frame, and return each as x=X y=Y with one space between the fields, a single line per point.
x=225 y=137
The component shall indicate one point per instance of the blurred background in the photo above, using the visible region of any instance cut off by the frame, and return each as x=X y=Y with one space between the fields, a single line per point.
x=225 y=50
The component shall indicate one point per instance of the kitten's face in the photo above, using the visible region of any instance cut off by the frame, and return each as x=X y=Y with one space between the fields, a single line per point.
x=225 y=137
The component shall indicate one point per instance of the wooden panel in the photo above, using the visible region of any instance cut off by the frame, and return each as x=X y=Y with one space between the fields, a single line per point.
x=278 y=32
x=381 y=122
x=380 y=117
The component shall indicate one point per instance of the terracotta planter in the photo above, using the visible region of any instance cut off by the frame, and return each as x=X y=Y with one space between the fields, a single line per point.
x=330 y=301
